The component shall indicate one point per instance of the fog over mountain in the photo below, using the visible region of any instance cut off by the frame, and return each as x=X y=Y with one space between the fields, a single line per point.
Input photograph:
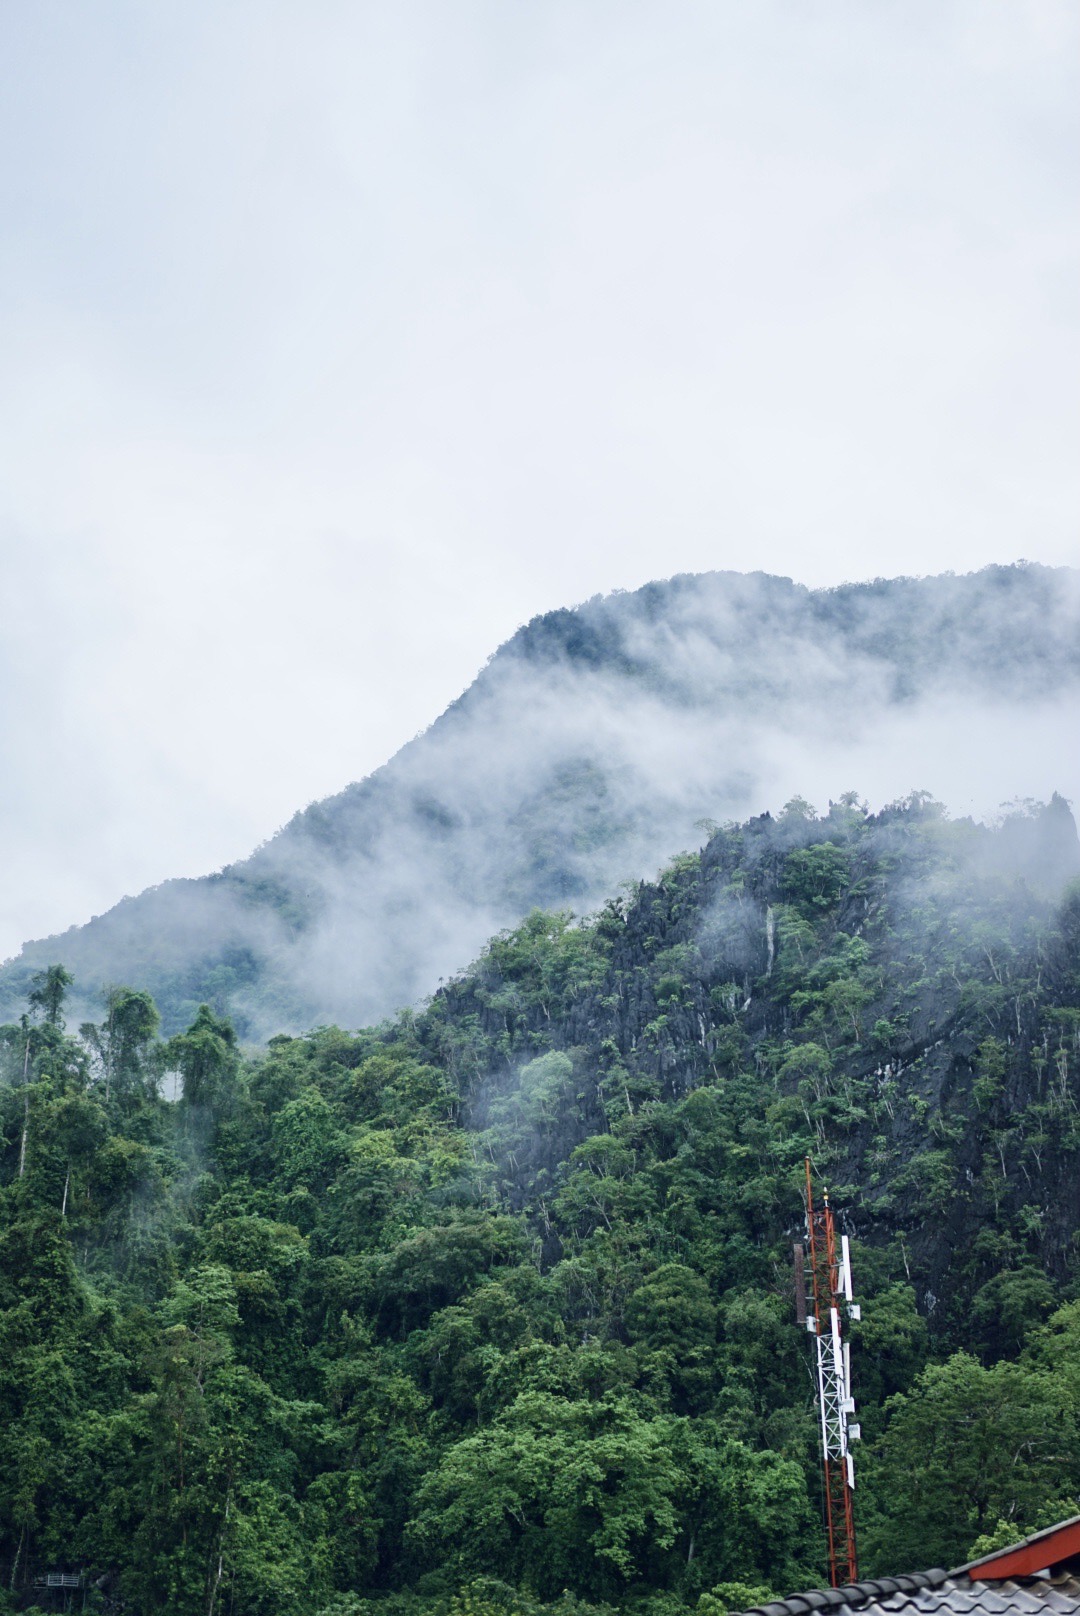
x=586 y=753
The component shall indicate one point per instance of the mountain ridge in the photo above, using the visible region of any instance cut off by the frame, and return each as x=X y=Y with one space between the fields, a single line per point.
x=584 y=753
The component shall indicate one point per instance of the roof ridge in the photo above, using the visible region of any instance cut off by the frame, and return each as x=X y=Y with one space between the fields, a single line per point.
x=850 y=1593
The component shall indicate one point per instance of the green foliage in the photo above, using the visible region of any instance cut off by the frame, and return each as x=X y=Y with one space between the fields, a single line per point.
x=48 y=989
x=487 y=1311
x=966 y=1448
x=207 y=1059
x=733 y=1596
x=816 y=877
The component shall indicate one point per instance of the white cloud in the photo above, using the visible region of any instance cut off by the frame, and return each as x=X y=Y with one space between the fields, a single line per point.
x=340 y=339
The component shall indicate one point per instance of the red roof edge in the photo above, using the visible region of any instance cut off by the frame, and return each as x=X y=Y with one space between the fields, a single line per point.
x=1035 y=1553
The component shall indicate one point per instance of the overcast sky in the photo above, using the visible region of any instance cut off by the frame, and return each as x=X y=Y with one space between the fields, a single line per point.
x=336 y=340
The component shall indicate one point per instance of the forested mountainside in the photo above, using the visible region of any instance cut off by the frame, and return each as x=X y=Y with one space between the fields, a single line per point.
x=586 y=753
x=489 y=1308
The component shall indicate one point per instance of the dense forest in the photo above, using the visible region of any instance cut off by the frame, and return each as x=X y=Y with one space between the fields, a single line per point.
x=489 y=1308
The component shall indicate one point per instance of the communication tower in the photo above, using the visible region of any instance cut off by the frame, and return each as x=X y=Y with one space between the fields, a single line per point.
x=823 y=1300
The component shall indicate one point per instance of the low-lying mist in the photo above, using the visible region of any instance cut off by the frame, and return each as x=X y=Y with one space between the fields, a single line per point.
x=589 y=750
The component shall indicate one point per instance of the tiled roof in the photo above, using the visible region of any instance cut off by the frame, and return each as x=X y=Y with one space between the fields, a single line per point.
x=939 y=1593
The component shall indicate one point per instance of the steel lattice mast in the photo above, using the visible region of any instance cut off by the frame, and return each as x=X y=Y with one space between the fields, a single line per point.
x=824 y=1302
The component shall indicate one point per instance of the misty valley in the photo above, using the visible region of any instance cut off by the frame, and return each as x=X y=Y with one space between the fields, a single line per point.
x=487 y=1309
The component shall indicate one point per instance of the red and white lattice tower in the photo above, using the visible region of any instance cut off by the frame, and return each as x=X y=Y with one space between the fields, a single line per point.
x=824 y=1302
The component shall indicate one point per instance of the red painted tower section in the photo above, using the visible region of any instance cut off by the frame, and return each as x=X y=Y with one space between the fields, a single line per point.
x=828 y=1308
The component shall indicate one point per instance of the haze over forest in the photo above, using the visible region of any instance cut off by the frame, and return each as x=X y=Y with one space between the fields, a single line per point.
x=528 y=725
x=488 y=1310
x=590 y=749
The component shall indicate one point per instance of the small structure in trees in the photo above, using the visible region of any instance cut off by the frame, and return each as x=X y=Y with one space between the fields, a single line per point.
x=63 y=1586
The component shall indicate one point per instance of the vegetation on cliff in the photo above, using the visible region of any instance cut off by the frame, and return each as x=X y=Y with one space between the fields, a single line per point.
x=490 y=1307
